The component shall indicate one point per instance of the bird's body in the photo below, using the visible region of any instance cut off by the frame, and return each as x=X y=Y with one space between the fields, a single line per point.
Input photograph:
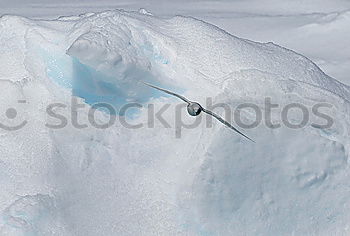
x=194 y=109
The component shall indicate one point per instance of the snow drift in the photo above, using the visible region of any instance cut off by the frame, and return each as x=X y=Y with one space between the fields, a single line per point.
x=145 y=181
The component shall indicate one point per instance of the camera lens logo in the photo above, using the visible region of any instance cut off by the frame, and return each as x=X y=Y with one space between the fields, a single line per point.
x=11 y=114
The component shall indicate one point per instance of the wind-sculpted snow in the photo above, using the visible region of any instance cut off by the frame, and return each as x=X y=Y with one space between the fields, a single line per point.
x=121 y=181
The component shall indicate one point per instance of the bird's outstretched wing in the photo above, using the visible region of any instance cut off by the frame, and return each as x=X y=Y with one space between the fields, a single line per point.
x=168 y=92
x=226 y=123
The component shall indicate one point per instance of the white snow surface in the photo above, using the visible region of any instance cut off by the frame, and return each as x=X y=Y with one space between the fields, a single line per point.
x=318 y=29
x=121 y=181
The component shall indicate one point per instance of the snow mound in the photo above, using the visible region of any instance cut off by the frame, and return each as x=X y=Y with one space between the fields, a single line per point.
x=32 y=215
x=122 y=181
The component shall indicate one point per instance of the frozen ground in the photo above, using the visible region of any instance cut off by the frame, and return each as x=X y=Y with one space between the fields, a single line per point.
x=318 y=29
x=145 y=181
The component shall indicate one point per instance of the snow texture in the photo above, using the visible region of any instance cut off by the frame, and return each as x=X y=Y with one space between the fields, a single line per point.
x=317 y=29
x=122 y=181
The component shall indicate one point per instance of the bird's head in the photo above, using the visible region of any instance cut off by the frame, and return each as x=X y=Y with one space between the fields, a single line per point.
x=194 y=109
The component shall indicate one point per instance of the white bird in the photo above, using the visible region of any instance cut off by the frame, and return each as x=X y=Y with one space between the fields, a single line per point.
x=194 y=109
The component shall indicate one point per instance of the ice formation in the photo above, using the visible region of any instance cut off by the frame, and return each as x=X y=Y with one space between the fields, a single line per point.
x=121 y=181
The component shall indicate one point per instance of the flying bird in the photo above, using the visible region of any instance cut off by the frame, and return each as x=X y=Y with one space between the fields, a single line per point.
x=194 y=109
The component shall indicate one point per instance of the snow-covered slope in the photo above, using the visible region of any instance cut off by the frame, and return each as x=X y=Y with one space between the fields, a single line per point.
x=317 y=29
x=121 y=181
x=321 y=36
